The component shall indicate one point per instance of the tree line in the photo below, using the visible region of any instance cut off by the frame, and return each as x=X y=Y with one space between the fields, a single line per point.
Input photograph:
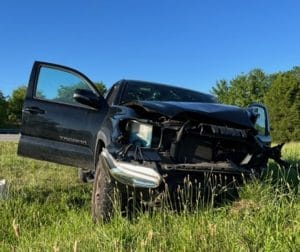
x=11 y=108
x=280 y=92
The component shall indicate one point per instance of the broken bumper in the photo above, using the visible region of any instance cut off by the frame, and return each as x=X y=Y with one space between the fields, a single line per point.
x=130 y=174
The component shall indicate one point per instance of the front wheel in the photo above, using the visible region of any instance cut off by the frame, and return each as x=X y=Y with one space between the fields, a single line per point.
x=103 y=194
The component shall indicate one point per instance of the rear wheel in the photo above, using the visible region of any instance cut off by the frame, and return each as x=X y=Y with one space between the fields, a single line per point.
x=85 y=176
x=103 y=192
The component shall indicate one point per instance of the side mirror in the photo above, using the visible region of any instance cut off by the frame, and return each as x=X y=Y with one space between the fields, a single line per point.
x=260 y=112
x=87 y=97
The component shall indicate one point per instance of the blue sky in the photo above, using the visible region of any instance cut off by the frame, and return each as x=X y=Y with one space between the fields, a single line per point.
x=187 y=43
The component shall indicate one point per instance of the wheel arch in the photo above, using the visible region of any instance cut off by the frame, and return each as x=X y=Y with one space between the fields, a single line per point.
x=99 y=146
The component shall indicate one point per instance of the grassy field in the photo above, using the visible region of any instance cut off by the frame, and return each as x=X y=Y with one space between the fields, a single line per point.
x=48 y=209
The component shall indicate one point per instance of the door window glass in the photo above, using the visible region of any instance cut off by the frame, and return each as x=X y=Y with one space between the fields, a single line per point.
x=58 y=85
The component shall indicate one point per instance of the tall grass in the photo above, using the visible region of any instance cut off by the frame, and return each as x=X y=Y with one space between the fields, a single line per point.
x=48 y=209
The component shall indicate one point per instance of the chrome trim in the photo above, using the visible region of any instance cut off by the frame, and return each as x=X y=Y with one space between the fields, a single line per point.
x=130 y=174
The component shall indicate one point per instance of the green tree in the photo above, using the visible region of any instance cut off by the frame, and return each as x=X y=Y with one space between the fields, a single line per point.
x=221 y=91
x=3 y=110
x=243 y=89
x=101 y=87
x=15 y=104
x=283 y=102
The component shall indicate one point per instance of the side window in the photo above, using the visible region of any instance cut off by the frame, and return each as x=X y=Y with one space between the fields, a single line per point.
x=58 y=85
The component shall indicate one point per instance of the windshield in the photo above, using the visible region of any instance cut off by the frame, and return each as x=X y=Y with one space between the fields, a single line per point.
x=144 y=91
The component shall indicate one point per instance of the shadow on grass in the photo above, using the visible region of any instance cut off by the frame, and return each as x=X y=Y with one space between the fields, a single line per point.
x=217 y=191
x=284 y=177
x=192 y=195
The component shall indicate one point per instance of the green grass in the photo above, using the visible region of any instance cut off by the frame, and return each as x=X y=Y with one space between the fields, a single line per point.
x=49 y=209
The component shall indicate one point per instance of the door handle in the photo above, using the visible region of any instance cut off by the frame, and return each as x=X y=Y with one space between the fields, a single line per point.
x=34 y=110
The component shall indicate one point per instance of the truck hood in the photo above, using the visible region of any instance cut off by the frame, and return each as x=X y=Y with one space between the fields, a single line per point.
x=226 y=113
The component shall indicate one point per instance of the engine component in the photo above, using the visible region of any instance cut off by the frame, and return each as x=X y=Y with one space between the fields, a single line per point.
x=140 y=134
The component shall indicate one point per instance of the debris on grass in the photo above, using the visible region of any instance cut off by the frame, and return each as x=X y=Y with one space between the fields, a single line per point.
x=3 y=189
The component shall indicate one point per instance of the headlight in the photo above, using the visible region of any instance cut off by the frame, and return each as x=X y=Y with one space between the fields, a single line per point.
x=140 y=134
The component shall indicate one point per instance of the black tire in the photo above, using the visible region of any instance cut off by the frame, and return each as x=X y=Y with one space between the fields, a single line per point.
x=85 y=176
x=103 y=195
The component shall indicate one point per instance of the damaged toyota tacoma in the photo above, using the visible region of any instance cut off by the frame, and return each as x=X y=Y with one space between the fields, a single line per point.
x=142 y=136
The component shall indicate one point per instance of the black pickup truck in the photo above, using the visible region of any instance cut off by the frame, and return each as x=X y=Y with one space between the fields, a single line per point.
x=142 y=136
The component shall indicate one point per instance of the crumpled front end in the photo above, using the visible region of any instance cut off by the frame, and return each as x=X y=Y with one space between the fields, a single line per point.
x=150 y=147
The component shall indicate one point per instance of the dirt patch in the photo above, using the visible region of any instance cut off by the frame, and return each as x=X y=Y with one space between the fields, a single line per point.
x=244 y=207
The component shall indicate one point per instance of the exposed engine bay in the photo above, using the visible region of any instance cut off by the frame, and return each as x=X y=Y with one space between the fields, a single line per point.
x=190 y=142
x=183 y=145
